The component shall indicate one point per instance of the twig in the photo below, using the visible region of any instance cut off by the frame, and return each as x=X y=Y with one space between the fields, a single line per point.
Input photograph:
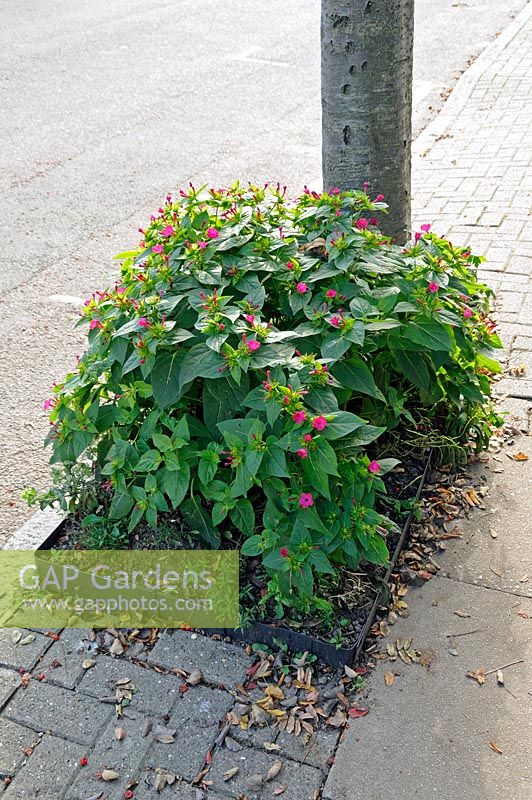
x=512 y=664
x=465 y=633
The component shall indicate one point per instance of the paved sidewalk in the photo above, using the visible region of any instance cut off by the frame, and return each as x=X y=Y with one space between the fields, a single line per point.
x=436 y=734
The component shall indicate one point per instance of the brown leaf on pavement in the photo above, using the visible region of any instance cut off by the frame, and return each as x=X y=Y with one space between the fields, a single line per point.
x=274 y=770
x=495 y=748
x=354 y=713
x=109 y=775
x=518 y=456
x=231 y=773
x=478 y=675
x=463 y=614
x=389 y=678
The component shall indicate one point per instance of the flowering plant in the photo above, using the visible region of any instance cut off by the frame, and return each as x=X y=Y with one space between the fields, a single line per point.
x=251 y=351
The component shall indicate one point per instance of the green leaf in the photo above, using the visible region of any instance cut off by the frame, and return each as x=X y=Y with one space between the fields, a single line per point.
x=355 y=374
x=198 y=519
x=165 y=377
x=320 y=562
x=149 y=461
x=334 y=346
x=324 y=456
x=121 y=504
x=376 y=552
x=429 y=335
x=162 y=442
x=414 y=367
x=175 y=483
x=252 y=546
x=342 y=423
x=243 y=516
x=201 y=362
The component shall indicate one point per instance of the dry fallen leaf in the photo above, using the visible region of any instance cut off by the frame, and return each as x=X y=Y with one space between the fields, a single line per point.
x=271 y=747
x=518 y=456
x=195 y=677
x=478 y=675
x=389 y=678
x=109 y=775
x=87 y=663
x=120 y=734
x=495 y=748
x=279 y=789
x=358 y=712
x=500 y=677
x=274 y=770
x=231 y=773
x=463 y=614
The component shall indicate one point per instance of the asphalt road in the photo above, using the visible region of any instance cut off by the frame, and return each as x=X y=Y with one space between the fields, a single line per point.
x=106 y=105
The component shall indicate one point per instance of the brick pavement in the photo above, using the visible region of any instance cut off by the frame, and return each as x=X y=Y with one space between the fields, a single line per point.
x=472 y=175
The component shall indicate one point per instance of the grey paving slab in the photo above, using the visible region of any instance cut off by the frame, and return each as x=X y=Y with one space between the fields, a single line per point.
x=300 y=781
x=315 y=750
x=51 y=709
x=178 y=791
x=18 y=655
x=221 y=663
x=125 y=756
x=14 y=739
x=63 y=661
x=429 y=734
x=154 y=693
x=496 y=547
x=196 y=718
x=47 y=771
x=9 y=680
x=518 y=413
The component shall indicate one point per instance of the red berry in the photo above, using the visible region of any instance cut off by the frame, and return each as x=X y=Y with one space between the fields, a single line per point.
x=128 y=794
x=83 y=761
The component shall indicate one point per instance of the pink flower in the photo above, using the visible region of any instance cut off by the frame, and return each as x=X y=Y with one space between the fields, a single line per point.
x=302 y=452
x=253 y=345
x=307 y=437
x=374 y=221
x=301 y=288
x=335 y=190
x=306 y=500
x=157 y=248
x=143 y=322
x=299 y=417
x=319 y=423
x=467 y=312
x=202 y=245
x=362 y=223
x=374 y=467
x=433 y=287
x=168 y=231
x=289 y=265
x=48 y=404
x=284 y=552
x=336 y=321
x=379 y=198
x=417 y=237
x=212 y=233
x=425 y=227
x=95 y=323
x=331 y=293
x=250 y=318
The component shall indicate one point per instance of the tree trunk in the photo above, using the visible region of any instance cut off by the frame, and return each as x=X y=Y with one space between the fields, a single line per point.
x=366 y=90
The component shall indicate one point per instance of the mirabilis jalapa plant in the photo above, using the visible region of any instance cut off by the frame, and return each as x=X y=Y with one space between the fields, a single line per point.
x=251 y=351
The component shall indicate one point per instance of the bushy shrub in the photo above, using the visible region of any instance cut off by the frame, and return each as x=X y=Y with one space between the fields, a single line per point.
x=252 y=350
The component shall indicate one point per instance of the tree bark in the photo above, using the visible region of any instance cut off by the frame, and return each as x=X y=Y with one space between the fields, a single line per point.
x=366 y=89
